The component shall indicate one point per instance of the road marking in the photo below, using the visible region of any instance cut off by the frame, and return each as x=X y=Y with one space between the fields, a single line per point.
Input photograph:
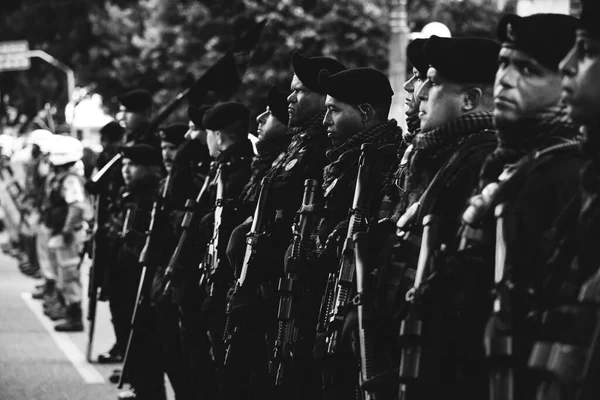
x=87 y=371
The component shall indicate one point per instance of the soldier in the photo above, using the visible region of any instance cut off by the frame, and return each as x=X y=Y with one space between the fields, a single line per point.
x=456 y=135
x=136 y=107
x=65 y=216
x=530 y=120
x=304 y=159
x=171 y=137
x=414 y=53
x=185 y=345
x=569 y=333
x=273 y=141
x=127 y=226
x=107 y=190
x=358 y=103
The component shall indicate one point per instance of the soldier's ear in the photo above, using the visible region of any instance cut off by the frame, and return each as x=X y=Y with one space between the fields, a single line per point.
x=471 y=98
x=367 y=112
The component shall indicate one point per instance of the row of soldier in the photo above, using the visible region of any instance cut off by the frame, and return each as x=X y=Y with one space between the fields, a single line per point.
x=349 y=259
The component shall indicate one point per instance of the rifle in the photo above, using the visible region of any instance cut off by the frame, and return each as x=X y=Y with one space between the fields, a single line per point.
x=289 y=288
x=191 y=211
x=337 y=295
x=498 y=337
x=258 y=230
x=92 y=284
x=212 y=261
x=366 y=319
x=156 y=216
x=411 y=327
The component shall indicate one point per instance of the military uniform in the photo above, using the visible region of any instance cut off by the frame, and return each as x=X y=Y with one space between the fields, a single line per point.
x=128 y=222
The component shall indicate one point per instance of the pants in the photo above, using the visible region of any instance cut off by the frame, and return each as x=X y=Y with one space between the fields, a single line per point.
x=48 y=268
x=66 y=258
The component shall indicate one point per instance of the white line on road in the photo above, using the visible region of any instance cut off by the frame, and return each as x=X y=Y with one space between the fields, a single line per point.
x=87 y=371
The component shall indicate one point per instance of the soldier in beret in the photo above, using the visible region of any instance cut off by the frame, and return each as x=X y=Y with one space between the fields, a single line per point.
x=128 y=222
x=304 y=159
x=185 y=349
x=226 y=127
x=572 y=300
x=529 y=119
x=414 y=53
x=108 y=191
x=455 y=137
x=358 y=103
x=136 y=109
x=171 y=137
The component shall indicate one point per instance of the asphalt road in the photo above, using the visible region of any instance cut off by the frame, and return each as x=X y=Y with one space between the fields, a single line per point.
x=37 y=363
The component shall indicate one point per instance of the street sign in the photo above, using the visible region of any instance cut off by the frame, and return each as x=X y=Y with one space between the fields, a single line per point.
x=14 y=56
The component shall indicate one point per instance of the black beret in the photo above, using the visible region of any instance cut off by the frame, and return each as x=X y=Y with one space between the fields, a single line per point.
x=416 y=56
x=142 y=154
x=224 y=114
x=173 y=133
x=545 y=37
x=278 y=105
x=113 y=131
x=195 y=114
x=138 y=100
x=590 y=15
x=307 y=69
x=463 y=60
x=357 y=86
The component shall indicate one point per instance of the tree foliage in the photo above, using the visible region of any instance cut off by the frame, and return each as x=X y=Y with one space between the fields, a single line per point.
x=165 y=45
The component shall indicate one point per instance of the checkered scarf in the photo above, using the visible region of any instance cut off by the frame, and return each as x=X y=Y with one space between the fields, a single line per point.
x=454 y=130
x=518 y=139
x=343 y=156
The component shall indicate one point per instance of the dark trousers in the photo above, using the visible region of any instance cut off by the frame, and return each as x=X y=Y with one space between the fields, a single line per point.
x=143 y=366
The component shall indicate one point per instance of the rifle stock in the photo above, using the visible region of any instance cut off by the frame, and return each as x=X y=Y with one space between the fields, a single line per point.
x=345 y=277
x=411 y=327
x=232 y=325
x=92 y=284
x=158 y=209
x=288 y=332
x=189 y=218
x=366 y=319
x=211 y=265
x=498 y=337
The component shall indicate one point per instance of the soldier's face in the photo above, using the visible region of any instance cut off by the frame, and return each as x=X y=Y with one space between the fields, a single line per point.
x=441 y=101
x=581 y=78
x=269 y=126
x=133 y=172
x=342 y=120
x=212 y=143
x=168 y=150
x=411 y=86
x=195 y=133
x=303 y=103
x=523 y=87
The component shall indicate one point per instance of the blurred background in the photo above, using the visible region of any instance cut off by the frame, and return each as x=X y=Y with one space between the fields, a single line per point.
x=100 y=48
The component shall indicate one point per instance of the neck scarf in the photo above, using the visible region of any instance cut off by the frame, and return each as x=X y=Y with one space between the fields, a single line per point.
x=516 y=140
x=343 y=156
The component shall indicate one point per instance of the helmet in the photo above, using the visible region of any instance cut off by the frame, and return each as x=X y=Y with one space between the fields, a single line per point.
x=64 y=150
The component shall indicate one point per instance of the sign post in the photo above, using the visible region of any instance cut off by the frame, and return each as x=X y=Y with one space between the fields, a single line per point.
x=15 y=56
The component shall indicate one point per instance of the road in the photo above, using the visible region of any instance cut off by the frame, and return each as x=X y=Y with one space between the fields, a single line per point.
x=37 y=363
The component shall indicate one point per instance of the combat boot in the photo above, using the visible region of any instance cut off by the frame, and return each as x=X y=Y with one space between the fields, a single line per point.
x=56 y=312
x=44 y=291
x=73 y=321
